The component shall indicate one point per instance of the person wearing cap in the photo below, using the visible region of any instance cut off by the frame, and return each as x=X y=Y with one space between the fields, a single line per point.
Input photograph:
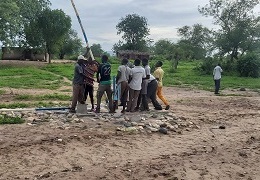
x=104 y=80
x=78 y=83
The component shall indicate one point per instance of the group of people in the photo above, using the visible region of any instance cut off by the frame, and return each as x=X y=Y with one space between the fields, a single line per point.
x=137 y=85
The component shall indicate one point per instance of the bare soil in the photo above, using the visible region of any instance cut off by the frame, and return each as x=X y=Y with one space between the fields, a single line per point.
x=226 y=144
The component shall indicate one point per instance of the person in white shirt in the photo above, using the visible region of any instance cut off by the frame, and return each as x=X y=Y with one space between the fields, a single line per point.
x=217 y=76
x=136 y=76
x=122 y=82
x=142 y=99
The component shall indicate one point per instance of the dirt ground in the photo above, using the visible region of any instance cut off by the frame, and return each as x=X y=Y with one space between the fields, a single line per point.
x=203 y=153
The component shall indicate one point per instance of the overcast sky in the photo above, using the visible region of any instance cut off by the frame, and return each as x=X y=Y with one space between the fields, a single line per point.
x=100 y=17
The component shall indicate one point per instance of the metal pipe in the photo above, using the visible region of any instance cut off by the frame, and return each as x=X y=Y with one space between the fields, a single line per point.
x=83 y=31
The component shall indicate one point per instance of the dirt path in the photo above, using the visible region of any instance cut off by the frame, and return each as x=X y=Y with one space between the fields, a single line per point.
x=206 y=152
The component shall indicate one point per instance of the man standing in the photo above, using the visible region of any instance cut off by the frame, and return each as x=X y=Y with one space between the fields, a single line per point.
x=158 y=74
x=90 y=68
x=104 y=80
x=142 y=99
x=135 y=85
x=152 y=86
x=217 y=76
x=78 y=84
x=122 y=78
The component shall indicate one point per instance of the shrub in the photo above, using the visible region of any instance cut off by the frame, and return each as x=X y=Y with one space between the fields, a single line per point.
x=249 y=66
x=207 y=65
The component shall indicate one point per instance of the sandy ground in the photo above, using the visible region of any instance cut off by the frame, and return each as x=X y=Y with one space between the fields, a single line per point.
x=88 y=152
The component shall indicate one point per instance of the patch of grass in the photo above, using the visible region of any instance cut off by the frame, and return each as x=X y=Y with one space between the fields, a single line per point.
x=65 y=90
x=187 y=76
x=28 y=77
x=2 y=91
x=15 y=105
x=32 y=105
x=55 y=96
x=65 y=70
x=4 y=119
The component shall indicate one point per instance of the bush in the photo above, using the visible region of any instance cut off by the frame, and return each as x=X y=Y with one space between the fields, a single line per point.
x=207 y=65
x=249 y=65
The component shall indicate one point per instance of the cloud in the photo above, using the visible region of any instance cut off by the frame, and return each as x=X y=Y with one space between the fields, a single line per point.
x=100 y=17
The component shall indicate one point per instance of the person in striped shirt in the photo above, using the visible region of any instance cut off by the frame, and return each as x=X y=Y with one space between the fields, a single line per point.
x=90 y=68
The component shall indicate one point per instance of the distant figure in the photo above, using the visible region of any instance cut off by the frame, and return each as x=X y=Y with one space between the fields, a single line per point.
x=136 y=76
x=104 y=80
x=217 y=76
x=78 y=83
x=90 y=68
x=158 y=74
x=122 y=78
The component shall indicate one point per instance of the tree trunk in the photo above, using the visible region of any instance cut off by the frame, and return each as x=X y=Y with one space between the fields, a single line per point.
x=61 y=55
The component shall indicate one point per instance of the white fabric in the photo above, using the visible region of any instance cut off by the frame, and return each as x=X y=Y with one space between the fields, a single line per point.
x=125 y=73
x=151 y=78
x=137 y=73
x=217 y=73
x=147 y=70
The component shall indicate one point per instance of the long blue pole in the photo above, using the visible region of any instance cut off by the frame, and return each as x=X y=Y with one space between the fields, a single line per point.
x=83 y=31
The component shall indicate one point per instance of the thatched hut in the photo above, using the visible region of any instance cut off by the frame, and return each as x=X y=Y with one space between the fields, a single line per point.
x=129 y=54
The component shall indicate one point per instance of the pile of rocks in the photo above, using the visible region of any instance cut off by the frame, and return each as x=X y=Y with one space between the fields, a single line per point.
x=152 y=121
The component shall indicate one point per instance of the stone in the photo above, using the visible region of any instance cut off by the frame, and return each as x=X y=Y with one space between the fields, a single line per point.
x=136 y=118
x=130 y=129
x=155 y=125
x=163 y=130
x=81 y=109
x=242 y=89
x=134 y=123
x=117 y=115
x=154 y=116
x=222 y=127
x=152 y=129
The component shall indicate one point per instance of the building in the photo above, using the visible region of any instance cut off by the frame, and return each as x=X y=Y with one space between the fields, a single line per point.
x=19 y=53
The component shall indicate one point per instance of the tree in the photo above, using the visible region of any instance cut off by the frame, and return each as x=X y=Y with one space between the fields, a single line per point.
x=71 y=44
x=97 y=50
x=239 y=26
x=53 y=26
x=163 y=47
x=8 y=28
x=15 y=15
x=168 y=50
x=135 y=33
x=195 y=40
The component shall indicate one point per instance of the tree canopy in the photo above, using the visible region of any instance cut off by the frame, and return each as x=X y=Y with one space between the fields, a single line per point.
x=239 y=25
x=15 y=15
x=135 y=33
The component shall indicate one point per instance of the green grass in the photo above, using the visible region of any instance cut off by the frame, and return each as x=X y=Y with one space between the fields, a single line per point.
x=55 y=96
x=51 y=77
x=2 y=91
x=65 y=70
x=32 y=105
x=28 y=77
x=4 y=119
x=187 y=76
